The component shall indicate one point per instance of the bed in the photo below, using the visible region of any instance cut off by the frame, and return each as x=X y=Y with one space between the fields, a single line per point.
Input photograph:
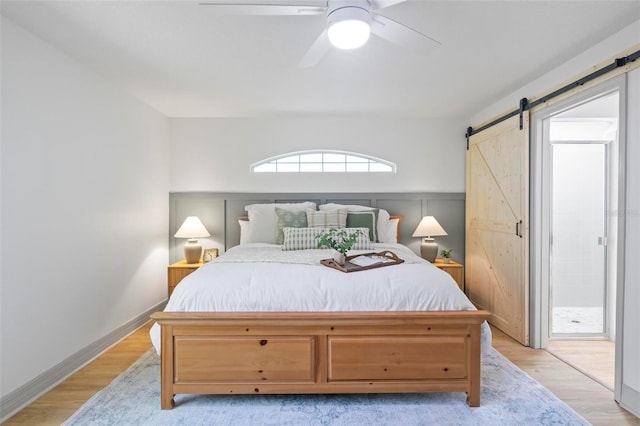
x=227 y=329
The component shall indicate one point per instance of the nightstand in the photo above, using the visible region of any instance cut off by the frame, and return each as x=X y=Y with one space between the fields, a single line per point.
x=178 y=271
x=455 y=269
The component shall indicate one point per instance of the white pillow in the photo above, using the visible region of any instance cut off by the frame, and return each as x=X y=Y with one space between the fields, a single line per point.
x=245 y=231
x=383 y=216
x=262 y=219
x=390 y=234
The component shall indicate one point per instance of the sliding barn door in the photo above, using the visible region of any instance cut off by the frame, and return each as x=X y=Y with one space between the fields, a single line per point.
x=497 y=255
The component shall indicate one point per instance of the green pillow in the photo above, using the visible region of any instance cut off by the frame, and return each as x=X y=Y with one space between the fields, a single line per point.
x=365 y=219
x=289 y=219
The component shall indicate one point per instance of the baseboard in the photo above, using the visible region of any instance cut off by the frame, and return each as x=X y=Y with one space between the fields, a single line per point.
x=15 y=401
x=630 y=400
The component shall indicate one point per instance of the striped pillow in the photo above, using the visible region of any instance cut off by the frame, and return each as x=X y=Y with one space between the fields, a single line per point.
x=327 y=219
x=306 y=238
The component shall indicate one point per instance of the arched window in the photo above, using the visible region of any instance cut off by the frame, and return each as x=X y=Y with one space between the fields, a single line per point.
x=323 y=161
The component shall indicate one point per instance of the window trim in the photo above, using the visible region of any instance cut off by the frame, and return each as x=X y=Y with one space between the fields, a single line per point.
x=369 y=161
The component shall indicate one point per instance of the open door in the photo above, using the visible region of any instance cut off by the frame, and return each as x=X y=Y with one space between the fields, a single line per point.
x=497 y=224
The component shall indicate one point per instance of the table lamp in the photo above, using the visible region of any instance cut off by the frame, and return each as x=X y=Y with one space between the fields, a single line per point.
x=192 y=228
x=428 y=228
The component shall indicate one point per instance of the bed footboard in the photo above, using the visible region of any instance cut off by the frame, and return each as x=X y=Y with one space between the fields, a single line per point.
x=320 y=352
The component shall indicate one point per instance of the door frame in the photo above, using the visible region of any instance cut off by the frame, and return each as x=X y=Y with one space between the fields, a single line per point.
x=539 y=228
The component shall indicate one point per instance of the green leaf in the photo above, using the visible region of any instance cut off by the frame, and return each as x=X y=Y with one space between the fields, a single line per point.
x=338 y=239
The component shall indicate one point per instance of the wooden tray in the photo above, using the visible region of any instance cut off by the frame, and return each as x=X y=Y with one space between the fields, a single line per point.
x=350 y=267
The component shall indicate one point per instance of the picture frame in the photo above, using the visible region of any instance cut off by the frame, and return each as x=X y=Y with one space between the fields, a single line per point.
x=209 y=254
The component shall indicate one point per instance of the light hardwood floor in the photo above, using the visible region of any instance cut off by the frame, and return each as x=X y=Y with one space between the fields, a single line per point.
x=60 y=403
x=589 y=398
x=592 y=400
x=595 y=358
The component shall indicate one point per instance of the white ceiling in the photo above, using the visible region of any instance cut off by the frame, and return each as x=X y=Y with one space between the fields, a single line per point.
x=187 y=60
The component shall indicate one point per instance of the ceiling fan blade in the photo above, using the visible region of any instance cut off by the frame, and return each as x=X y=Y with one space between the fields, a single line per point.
x=381 y=4
x=268 y=7
x=402 y=35
x=316 y=52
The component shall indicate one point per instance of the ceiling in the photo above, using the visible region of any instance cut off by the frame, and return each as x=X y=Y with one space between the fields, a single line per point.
x=189 y=60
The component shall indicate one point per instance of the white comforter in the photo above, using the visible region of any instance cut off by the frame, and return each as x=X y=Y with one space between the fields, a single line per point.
x=263 y=278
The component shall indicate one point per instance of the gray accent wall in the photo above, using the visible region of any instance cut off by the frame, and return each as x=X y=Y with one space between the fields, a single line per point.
x=219 y=212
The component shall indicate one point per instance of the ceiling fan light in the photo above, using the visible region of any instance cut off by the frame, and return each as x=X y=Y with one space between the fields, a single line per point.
x=349 y=27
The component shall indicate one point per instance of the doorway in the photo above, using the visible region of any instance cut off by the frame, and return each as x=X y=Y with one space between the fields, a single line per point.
x=578 y=150
x=582 y=183
x=578 y=241
x=622 y=267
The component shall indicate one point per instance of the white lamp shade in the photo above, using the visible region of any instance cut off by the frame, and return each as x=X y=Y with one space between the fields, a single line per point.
x=192 y=228
x=349 y=27
x=429 y=227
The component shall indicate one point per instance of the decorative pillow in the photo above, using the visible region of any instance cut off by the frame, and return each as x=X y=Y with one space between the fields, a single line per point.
x=289 y=219
x=383 y=215
x=306 y=238
x=389 y=234
x=368 y=219
x=263 y=219
x=327 y=219
x=245 y=231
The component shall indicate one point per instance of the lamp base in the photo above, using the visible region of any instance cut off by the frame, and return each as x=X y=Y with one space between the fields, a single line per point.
x=429 y=249
x=192 y=251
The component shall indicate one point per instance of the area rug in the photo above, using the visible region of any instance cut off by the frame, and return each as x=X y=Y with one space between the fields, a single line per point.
x=508 y=397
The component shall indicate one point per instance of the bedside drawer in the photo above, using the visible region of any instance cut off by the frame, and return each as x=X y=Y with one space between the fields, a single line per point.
x=177 y=271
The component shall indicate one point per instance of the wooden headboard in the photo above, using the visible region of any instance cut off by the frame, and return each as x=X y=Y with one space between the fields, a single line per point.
x=400 y=218
x=219 y=211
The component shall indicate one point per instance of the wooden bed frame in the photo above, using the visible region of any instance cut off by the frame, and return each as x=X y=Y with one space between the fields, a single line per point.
x=320 y=352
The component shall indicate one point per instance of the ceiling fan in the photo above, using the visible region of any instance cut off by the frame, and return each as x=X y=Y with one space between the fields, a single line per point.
x=349 y=23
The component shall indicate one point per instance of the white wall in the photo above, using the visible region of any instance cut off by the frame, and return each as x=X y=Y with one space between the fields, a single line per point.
x=84 y=207
x=214 y=154
x=578 y=217
x=626 y=38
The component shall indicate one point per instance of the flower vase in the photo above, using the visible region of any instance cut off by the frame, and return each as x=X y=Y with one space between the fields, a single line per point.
x=339 y=258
